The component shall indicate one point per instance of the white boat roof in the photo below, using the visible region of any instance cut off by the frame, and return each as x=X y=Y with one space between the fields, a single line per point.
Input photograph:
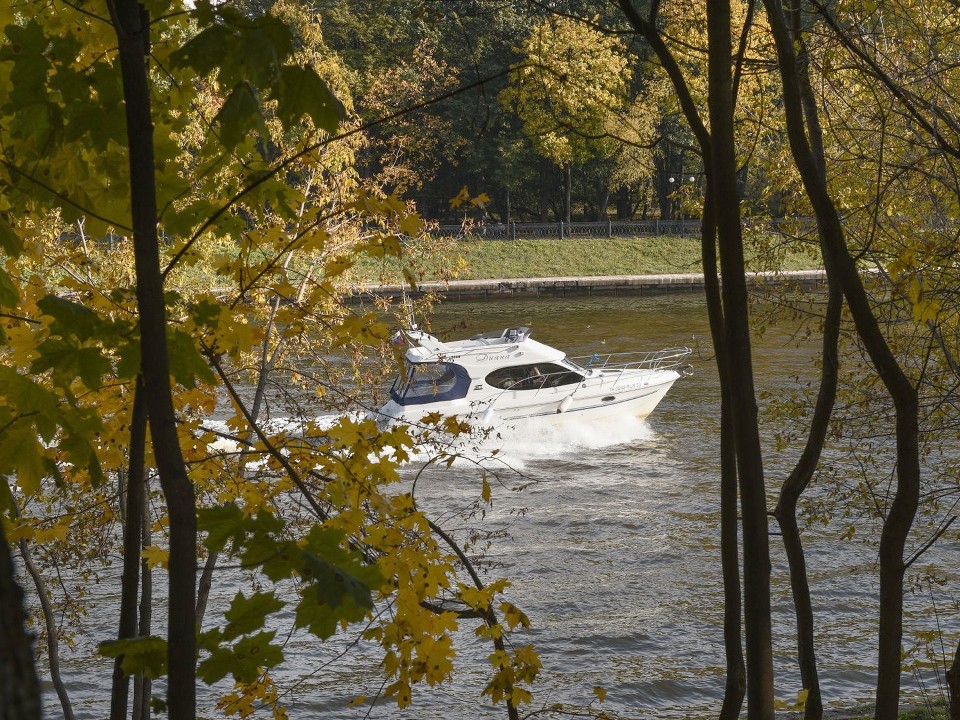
x=512 y=346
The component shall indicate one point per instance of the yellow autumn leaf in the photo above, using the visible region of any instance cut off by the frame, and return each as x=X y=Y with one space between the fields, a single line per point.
x=520 y=696
x=514 y=615
x=462 y=197
x=480 y=200
x=600 y=692
x=21 y=531
x=58 y=531
x=411 y=224
x=155 y=556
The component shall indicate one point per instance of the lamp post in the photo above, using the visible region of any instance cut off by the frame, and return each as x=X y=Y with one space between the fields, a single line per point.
x=677 y=182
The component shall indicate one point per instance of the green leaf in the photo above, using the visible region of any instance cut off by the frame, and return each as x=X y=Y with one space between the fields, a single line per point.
x=22 y=456
x=128 y=358
x=6 y=498
x=243 y=660
x=206 y=312
x=240 y=115
x=68 y=361
x=26 y=47
x=340 y=586
x=248 y=614
x=205 y=51
x=9 y=297
x=313 y=614
x=71 y=318
x=221 y=524
x=337 y=586
x=302 y=92
x=186 y=363
x=226 y=523
x=147 y=655
x=241 y=48
x=10 y=242
x=277 y=560
x=29 y=398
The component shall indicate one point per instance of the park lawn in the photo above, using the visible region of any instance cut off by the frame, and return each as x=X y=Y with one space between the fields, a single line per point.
x=475 y=259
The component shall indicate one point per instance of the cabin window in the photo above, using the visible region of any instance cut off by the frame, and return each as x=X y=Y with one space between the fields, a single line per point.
x=535 y=376
x=431 y=382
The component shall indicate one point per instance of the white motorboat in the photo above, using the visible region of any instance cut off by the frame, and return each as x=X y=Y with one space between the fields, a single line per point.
x=506 y=376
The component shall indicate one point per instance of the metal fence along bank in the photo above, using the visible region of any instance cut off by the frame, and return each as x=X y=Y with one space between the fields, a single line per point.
x=604 y=229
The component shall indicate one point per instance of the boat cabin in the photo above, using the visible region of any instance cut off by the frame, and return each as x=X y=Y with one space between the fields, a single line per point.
x=506 y=360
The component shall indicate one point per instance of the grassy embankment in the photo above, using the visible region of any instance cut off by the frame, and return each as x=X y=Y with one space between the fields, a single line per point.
x=440 y=259
x=474 y=259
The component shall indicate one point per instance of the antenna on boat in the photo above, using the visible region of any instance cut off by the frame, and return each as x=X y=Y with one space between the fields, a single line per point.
x=411 y=318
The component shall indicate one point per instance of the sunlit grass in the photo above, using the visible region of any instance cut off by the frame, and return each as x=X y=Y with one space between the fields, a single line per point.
x=577 y=257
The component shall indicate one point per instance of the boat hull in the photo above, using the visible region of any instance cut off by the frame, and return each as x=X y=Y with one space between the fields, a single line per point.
x=595 y=399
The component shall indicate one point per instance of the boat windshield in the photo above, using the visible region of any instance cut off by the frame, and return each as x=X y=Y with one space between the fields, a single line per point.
x=533 y=377
x=431 y=382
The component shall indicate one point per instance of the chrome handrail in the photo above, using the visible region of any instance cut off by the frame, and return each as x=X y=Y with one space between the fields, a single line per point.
x=666 y=359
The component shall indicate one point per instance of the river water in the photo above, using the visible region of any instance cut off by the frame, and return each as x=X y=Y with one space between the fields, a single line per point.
x=612 y=545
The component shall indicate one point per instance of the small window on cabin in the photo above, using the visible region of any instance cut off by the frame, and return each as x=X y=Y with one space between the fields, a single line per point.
x=535 y=376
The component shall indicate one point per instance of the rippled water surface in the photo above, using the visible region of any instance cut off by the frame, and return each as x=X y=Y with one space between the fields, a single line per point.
x=612 y=545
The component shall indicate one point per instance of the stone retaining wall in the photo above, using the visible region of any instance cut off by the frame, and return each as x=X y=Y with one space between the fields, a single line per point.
x=606 y=285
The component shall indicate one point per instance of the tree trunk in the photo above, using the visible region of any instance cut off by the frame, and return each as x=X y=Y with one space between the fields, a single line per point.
x=953 y=685
x=144 y=685
x=19 y=687
x=567 y=192
x=603 y=203
x=132 y=527
x=132 y=25
x=736 y=681
x=903 y=507
x=786 y=510
x=546 y=176
x=756 y=551
x=716 y=303
x=53 y=644
x=623 y=203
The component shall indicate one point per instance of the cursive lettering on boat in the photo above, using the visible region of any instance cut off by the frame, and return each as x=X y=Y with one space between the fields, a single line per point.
x=495 y=357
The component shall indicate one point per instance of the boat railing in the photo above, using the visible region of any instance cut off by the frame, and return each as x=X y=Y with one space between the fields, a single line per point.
x=666 y=359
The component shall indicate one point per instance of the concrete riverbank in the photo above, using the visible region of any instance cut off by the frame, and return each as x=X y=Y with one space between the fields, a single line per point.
x=604 y=285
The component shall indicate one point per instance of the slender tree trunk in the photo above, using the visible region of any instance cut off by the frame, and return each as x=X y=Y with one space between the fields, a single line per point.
x=796 y=483
x=144 y=685
x=19 y=686
x=756 y=550
x=53 y=644
x=790 y=492
x=623 y=203
x=132 y=26
x=906 y=498
x=728 y=320
x=602 y=205
x=567 y=192
x=736 y=681
x=953 y=685
x=132 y=525
x=50 y=624
x=546 y=176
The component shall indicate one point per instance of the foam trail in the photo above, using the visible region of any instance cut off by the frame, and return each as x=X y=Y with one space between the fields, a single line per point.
x=531 y=439
x=514 y=446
